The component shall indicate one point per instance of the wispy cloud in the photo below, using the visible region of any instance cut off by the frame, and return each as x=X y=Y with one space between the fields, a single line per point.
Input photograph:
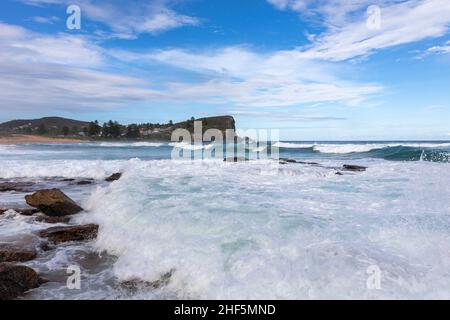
x=240 y=76
x=45 y=20
x=42 y=72
x=347 y=35
x=131 y=19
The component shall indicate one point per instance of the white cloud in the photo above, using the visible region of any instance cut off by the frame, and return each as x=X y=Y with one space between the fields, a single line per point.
x=21 y=45
x=347 y=35
x=239 y=76
x=41 y=72
x=45 y=20
x=130 y=19
x=439 y=49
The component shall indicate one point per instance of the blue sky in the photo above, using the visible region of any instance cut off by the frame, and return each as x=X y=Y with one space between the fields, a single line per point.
x=316 y=70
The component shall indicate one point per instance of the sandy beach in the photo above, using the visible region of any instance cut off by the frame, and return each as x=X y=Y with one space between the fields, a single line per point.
x=20 y=139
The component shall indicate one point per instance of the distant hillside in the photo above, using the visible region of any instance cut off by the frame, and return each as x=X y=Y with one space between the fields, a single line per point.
x=51 y=125
x=55 y=126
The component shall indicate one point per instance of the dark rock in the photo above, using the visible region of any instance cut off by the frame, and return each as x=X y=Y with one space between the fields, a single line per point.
x=353 y=168
x=235 y=159
x=53 y=203
x=114 y=177
x=23 y=212
x=45 y=246
x=136 y=285
x=52 y=220
x=288 y=160
x=10 y=253
x=15 y=186
x=27 y=212
x=338 y=173
x=16 y=280
x=84 y=182
x=309 y=163
x=68 y=180
x=73 y=233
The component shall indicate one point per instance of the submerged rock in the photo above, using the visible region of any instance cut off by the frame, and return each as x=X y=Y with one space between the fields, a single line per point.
x=114 y=177
x=353 y=168
x=53 y=202
x=9 y=253
x=15 y=186
x=72 y=233
x=84 y=182
x=47 y=219
x=287 y=160
x=235 y=159
x=16 y=280
x=135 y=285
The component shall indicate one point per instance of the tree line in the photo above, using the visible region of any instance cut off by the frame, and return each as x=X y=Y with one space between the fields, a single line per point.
x=110 y=129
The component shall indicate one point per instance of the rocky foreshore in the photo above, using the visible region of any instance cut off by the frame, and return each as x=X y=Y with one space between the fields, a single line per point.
x=46 y=206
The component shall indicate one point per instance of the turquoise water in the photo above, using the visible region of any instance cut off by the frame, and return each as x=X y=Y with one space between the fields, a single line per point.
x=436 y=151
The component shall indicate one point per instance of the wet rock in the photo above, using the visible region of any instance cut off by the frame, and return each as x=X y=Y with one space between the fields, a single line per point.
x=53 y=202
x=72 y=233
x=68 y=180
x=114 y=177
x=16 y=280
x=46 y=246
x=338 y=173
x=353 y=168
x=136 y=285
x=16 y=186
x=52 y=220
x=84 y=182
x=235 y=159
x=23 y=212
x=286 y=160
x=9 y=253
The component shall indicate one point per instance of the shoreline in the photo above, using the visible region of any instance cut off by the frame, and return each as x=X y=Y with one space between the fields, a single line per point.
x=24 y=139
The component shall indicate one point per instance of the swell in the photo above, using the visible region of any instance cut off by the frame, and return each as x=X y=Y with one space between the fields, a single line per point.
x=435 y=152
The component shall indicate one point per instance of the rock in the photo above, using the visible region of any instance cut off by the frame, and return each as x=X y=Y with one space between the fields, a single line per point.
x=338 y=173
x=68 y=180
x=353 y=168
x=72 y=233
x=136 y=285
x=235 y=159
x=286 y=160
x=114 y=177
x=84 y=182
x=16 y=280
x=53 y=203
x=23 y=212
x=47 y=219
x=15 y=186
x=9 y=253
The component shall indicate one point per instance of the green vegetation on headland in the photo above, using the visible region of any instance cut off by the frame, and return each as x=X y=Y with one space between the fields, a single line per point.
x=111 y=130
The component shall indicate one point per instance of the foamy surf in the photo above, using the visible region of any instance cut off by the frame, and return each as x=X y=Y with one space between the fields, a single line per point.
x=239 y=230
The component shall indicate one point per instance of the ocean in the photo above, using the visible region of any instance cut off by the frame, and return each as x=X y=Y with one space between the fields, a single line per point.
x=243 y=230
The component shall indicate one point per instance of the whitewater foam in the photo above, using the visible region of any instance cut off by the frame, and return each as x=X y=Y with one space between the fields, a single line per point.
x=230 y=232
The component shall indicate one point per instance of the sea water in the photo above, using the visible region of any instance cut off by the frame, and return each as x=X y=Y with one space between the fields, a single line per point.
x=241 y=231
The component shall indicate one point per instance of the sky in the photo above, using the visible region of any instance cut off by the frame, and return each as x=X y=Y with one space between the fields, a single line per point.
x=313 y=69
